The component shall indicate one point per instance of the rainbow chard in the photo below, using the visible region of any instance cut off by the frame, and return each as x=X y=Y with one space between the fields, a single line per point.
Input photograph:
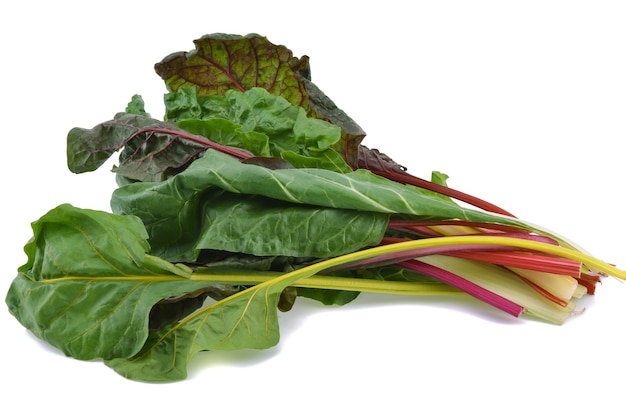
x=253 y=191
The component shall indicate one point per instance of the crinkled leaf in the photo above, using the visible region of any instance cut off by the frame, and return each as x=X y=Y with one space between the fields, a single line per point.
x=264 y=227
x=285 y=129
x=287 y=126
x=152 y=149
x=228 y=133
x=223 y=62
x=88 y=286
x=137 y=106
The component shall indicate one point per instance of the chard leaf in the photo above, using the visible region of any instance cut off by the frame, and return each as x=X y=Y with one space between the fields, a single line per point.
x=285 y=129
x=190 y=214
x=69 y=241
x=88 y=286
x=329 y=297
x=152 y=149
x=228 y=133
x=441 y=179
x=222 y=62
x=245 y=320
x=264 y=227
x=137 y=106
x=168 y=209
x=175 y=308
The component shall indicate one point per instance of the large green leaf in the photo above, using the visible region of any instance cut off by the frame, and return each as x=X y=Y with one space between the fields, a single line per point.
x=88 y=286
x=70 y=241
x=222 y=62
x=260 y=226
x=246 y=320
x=190 y=213
x=171 y=209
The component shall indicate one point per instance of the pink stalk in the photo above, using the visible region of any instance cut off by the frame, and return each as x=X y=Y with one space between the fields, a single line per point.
x=462 y=284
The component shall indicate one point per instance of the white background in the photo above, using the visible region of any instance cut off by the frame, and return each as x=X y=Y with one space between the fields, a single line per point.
x=521 y=103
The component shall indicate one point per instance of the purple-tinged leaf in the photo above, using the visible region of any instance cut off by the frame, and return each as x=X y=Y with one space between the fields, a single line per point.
x=222 y=62
x=151 y=150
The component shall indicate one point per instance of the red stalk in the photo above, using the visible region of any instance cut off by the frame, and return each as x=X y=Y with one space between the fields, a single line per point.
x=498 y=255
x=533 y=261
x=442 y=189
x=381 y=164
x=469 y=287
x=543 y=292
x=589 y=281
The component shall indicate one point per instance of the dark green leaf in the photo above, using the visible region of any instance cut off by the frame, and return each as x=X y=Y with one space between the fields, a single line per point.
x=173 y=309
x=359 y=190
x=246 y=320
x=182 y=221
x=328 y=297
x=152 y=150
x=287 y=299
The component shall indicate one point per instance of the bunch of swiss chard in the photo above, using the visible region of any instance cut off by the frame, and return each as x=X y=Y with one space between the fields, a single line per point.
x=252 y=191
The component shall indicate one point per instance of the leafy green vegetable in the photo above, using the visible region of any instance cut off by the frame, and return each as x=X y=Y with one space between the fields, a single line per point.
x=246 y=320
x=89 y=283
x=253 y=192
x=137 y=106
x=221 y=63
x=143 y=140
x=284 y=129
x=260 y=211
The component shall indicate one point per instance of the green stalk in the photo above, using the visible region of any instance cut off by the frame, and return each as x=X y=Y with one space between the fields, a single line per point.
x=332 y=283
